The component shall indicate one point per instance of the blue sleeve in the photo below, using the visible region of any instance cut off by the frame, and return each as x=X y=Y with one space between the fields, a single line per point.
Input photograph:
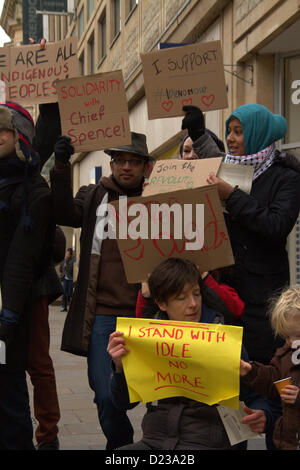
x=9 y=317
x=255 y=401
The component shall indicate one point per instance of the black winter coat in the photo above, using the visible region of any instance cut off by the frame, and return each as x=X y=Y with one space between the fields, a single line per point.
x=258 y=226
x=24 y=254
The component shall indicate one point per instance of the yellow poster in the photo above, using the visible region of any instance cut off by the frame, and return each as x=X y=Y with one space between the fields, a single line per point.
x=167 y=358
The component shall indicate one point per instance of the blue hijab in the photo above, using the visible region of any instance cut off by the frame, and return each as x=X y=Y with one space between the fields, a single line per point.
x=260 y=126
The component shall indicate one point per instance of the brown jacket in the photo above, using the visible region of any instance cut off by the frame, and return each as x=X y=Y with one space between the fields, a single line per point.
x=261 y=378
x=101 y=286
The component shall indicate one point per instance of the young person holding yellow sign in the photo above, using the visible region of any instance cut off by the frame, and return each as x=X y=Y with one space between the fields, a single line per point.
x=181 y=423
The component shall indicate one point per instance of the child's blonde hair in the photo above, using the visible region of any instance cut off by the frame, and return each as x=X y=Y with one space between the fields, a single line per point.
x=284 y=308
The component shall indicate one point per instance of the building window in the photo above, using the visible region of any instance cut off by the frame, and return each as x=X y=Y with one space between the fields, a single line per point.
x=102 y=37
x=58 y=28
x=116 y=18
x=91 y=46
x=132 y=3
x=90 y=6
x=64 y=22
x=51 y=26
x=81 y=23
x=129 y=7
x=81 y=64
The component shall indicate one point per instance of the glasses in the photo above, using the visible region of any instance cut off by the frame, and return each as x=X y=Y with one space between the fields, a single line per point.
x=134 y=162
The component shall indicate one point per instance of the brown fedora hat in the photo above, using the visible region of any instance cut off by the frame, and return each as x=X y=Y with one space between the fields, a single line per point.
x=138 y=146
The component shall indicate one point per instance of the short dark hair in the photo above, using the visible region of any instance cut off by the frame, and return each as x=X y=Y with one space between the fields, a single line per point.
x=70 y=250
x=169 y=278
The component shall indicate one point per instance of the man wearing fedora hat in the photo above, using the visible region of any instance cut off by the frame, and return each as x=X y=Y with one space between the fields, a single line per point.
x=102 y=292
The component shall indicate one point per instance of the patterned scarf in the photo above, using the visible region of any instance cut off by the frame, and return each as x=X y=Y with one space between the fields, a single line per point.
x=260 y=161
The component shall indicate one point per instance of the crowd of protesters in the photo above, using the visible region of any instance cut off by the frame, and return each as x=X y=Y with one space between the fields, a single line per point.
x=31 y=245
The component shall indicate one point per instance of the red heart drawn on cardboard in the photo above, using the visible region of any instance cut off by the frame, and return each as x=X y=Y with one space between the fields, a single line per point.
x=167 y=105
x=187 y=101
x=139 y=254
x=208 y=100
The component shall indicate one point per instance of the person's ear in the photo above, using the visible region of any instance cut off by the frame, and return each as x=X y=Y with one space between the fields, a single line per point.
x=162 y=306
x=148 y=167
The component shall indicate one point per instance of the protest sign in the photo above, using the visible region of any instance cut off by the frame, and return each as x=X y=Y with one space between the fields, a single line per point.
x=186 y=224
x=2 y=92
x=169 y=358
x=172 y=174
x=237 y=175
x=235 y=429
x=187 y=75
x=94 y=112
x=30 y=73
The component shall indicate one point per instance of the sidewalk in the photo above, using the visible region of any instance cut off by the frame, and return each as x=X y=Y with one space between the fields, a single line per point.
x=79 y=428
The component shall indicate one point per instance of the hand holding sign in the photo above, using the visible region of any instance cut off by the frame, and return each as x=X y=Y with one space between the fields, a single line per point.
x=193 y=122
x=42 y=42
x=171 y=358
x=255 y=419
x=116 y=348
x=63 y=149
x=224 y=188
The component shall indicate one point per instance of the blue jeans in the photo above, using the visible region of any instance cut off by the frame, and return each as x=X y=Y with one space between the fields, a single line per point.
x=114 y=423
x=68 y=290
x=16 y=431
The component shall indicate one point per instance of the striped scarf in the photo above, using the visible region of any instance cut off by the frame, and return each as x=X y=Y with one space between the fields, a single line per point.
x=260 y=161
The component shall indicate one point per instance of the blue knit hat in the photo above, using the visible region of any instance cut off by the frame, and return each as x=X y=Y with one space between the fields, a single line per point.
x=260 y=126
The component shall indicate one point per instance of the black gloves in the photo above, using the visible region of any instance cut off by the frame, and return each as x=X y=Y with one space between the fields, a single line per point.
x=50 y=111
x=193 y=122
x=63 y=149
x=7 y=332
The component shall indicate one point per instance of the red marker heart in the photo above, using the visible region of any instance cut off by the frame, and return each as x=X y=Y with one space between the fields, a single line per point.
x=167 y=105
x=208 y=100
x=139 y=255
x=187 y=101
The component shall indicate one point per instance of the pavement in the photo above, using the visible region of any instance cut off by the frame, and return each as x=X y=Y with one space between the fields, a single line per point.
x=79 y=427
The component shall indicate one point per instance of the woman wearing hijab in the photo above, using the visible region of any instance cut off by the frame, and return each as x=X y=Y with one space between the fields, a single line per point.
x=260 y=222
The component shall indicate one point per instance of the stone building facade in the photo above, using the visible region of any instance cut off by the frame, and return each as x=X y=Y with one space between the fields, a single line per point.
x=261 y=54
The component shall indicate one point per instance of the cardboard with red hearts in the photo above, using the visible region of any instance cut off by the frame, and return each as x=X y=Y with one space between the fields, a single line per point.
x=181 y=76
x=151 y=235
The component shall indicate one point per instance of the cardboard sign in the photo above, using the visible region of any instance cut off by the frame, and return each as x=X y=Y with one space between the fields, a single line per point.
x=94 y=112
x=187 y=75
x=151 y=236
x=31 y=73
x=169 y=358
x=173 y=174
x=2 y=92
